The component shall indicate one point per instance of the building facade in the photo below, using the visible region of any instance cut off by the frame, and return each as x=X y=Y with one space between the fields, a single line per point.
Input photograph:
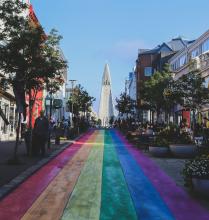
x=150 y=61
x=8 y=107
x=198 y=51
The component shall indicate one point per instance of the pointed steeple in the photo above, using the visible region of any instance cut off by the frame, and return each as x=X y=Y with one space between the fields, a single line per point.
x=106 y=104
x=106 y=76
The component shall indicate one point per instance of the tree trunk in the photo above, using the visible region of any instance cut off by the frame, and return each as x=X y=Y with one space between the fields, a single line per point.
x=31 y=103
x=17 y=136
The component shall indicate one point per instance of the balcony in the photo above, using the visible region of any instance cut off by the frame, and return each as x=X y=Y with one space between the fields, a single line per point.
x=200 y=63
x=204 y=61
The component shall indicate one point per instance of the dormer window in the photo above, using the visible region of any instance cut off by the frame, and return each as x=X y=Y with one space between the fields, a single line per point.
x=205 y=46
x=182 y=60
x=195 y=53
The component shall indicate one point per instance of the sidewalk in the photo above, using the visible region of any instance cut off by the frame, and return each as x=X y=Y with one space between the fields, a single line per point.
x=9 y=172
x=173 y=168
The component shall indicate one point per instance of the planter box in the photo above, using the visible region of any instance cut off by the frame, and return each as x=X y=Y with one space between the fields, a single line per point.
x=159 y=151
x=183 y=150
x=201 y=186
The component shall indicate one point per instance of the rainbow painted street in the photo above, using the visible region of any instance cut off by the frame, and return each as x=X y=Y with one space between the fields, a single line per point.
x=100 y=176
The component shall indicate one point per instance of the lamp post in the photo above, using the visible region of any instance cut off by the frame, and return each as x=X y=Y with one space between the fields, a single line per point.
x=72 y=81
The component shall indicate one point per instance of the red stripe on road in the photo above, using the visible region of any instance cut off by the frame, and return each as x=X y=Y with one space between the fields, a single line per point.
x=20 y=200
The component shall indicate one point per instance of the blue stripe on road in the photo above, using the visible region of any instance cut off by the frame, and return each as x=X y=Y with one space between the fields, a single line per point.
x=147 y=201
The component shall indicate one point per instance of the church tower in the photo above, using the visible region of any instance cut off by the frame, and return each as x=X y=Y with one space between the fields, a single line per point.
x=106 y=104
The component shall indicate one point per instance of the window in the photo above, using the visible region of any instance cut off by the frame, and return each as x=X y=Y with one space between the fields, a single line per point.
x=147 y=71
x=175 y=65
x=205 y=46
x=182 y=60
x=195 y=53
x=206 y=83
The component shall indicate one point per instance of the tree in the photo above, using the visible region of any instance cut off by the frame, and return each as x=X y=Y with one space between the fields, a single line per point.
x=189 y=91
x=124 y=104
x=152 y=91
x=28 y=57
x=80 y=101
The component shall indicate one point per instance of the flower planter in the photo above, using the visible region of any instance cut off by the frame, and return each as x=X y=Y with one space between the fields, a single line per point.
x=201 y=186
x=183 y=150
x=159 y=151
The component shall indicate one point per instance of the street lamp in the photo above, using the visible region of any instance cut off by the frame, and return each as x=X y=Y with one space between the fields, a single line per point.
x=50 y=105
x=72 y=81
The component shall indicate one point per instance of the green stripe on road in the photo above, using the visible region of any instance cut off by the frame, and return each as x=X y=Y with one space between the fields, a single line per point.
x=116 y=200
x=85 y=200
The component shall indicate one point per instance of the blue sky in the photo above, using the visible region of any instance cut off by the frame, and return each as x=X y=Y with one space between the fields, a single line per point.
x=99 y=31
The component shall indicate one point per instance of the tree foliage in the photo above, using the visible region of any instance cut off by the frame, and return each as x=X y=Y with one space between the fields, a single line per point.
x=124 y=104
x=80 y=101
x=28 y=58
x=189 y=91
x=152 y=91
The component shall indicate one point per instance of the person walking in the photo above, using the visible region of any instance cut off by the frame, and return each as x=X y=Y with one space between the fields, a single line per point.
x=41 y=132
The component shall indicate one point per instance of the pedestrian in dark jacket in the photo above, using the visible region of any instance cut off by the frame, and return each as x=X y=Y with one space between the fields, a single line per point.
x=41 y=132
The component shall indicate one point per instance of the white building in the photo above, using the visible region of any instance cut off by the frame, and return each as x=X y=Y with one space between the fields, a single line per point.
x=59 y=108
x=106 y=110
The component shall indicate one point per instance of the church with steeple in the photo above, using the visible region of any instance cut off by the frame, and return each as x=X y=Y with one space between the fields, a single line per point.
x=106 y=110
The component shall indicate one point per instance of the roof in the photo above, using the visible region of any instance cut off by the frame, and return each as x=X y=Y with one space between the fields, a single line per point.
x=176 y=44
x=179 y=43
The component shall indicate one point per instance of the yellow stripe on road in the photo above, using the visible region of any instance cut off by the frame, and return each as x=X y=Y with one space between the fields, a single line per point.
x=86 y=197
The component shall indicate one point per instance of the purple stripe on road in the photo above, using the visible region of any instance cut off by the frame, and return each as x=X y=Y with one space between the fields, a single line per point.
x=179 y=202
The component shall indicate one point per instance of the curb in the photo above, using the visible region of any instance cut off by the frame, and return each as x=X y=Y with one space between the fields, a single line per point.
x=14 y=183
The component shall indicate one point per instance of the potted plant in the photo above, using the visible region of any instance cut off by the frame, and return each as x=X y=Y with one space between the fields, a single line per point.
x=196 y=174
x=183 y=146
x=159 y=147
